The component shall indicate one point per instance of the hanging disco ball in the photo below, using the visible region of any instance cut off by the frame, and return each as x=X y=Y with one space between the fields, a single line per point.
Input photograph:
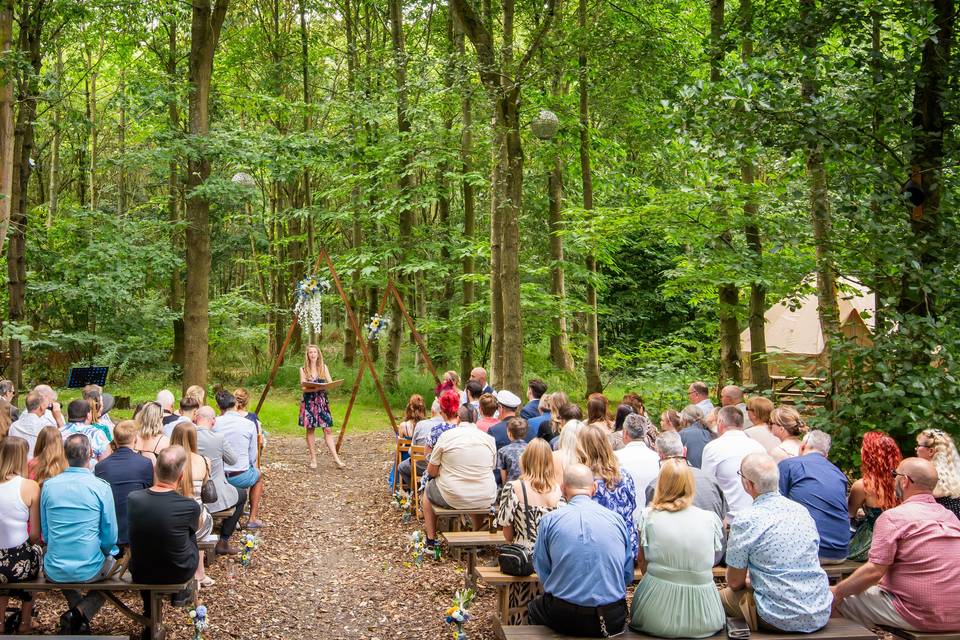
x=545 y=125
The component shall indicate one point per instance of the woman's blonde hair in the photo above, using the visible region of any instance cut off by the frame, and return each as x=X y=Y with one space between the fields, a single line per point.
x=568 y=442
x=675 y=486
x=306 y=361
x=536 y=465
x=198 y=392
x=594 y=450
x=13 y=457
x=242 y=396
x=789 y=419
x=185 y=435
x=150 y=420
x=946 y=460
x=48 y=454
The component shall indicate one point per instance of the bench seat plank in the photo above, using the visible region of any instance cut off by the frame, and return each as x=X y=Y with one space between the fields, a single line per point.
x=836 y=629
x=919 y=635
x=473 y=538
x=105 y=585
x=21 y=637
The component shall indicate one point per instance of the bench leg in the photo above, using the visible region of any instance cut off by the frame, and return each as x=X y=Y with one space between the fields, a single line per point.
x=503 y=603
x=470 y=580
x=156 y=616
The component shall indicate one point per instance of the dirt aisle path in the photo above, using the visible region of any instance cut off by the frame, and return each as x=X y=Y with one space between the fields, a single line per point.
x=332 y=562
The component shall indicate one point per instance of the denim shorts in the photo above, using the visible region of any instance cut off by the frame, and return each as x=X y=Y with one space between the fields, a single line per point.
x=246 y=479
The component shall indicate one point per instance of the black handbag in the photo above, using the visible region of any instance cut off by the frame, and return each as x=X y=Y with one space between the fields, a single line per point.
x=517 y=559
x=208 y=490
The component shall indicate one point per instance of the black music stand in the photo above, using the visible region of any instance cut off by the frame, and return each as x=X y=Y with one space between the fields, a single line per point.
x=80 y=377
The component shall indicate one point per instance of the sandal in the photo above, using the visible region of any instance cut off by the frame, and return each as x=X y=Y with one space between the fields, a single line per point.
x=253 y=524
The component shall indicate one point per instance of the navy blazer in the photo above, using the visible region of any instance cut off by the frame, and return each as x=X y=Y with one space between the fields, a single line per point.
x=126 y=471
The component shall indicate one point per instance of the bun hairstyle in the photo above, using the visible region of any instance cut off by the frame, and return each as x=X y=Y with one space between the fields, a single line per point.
x=789 y=420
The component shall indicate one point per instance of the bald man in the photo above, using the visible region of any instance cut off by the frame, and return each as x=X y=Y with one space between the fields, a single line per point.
x=480 y=375
x=584 y=539
x=912 y=579
x=732 y=396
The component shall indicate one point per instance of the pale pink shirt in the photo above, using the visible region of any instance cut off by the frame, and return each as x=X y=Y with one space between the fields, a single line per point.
x=920 y=542
x=485 y=423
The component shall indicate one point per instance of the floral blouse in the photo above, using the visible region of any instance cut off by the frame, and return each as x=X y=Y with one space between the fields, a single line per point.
x=620 y=499
x=510 y=512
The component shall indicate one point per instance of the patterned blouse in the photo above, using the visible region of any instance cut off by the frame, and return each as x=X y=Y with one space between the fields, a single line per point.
x=621 y=499
x=510 y=512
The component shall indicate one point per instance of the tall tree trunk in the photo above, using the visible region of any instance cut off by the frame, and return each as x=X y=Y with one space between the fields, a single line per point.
x=175 y=294
x=929 y=132
x=92 y=118
x=54 y=176
x=559 y=338
x=592 y=363
x=349 y=335
x=469 y=202
x=204 y=35
x=6 y=119
x=817 y=185
x=122 y=143
x=759 y=370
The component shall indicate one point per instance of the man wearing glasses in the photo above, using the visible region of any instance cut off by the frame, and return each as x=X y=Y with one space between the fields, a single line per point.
x=912 y=579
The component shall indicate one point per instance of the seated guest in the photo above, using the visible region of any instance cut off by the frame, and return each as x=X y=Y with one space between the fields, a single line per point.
x=813 y=481
x=541 y=424
x=49 y=460
x=508 y=403
x=937 y=446
x=414 y=412
x=670 y=421
x=450 y=414
x=5 y=419
x=508 y=458
x=165 y=400
x=787 y=426
x=598 y=412
x=564 y=415
x=461 y=472
x=242 y=396
x=473 y=391
x=80 y=419
x=535 y=390
x=125 y=471
x=214 y=447
x=678 y=542
x=188 y=410
x=8 y=392
x=241 y=434
x=732 y=396
x=524 y=501
x=615 y=488
x=488 y=412
x=105 y=402
x=759 y=410
x=579 y=541
x=699 y=394
x=150 y=438
x=639 y=460
x=20 y=552
x=53 y=415
x=79 y=523
x=565 y=454
x=694 y=433
x=912 y=579
x=421 y=437
x=31 y=421
x=776 y=540
x=197 y=392
x=874 y=492
x=722 y=458
x=163 y=528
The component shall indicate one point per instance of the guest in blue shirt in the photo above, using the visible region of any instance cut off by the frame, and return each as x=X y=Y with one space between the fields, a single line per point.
x=776 y=540
x=694 y=433
x=535 y=390
x=79 y=523
x=126 y=471
x=816 y=483
x=581 y=541
x=542 y=424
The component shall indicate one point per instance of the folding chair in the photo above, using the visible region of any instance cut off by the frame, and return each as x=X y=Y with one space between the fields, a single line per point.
x=417 y=454
x=403 y=446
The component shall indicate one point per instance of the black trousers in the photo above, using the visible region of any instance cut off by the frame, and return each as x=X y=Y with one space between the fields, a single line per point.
x=574 y=620
x=228 y=526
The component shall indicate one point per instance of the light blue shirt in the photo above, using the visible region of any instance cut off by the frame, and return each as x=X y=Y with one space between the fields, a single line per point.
x=241 y=435
x=98 y=441
x=583 y=554
x=79 y=523
x=776 y=540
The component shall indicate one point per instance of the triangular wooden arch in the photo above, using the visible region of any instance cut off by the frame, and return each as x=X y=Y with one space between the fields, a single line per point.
x=367 y=363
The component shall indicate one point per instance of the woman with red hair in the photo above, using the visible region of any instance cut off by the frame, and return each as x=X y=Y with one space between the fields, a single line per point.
x=874 y=493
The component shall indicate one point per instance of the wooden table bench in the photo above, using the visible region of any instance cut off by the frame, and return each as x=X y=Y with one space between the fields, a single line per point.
x=110 y=589
x=456 y=517
x=514 y=593
x=471 y=542
x=837 y=628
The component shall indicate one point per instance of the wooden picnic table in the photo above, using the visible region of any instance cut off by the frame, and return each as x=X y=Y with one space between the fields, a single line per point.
x=837 y=628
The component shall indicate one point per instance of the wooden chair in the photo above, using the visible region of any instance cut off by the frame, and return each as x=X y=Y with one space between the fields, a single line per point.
x=403 y=446
x=418 y=453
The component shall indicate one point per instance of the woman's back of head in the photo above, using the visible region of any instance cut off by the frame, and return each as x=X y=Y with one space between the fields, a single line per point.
x=598 y=409
x=536 y=464
x=946 y=460
x=185 y=435
x=675 y=486
x=594 y=451
x=48 y=456
x=13 y=457
x=150 y=420
x=880 y=456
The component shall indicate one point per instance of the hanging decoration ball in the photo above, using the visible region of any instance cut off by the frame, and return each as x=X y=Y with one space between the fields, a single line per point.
x=545 y=125
x=244 y=180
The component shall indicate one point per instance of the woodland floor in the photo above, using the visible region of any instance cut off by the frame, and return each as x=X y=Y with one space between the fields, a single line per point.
x=332 y=562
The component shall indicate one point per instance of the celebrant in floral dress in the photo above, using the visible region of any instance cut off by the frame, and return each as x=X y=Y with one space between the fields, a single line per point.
x=315 y=408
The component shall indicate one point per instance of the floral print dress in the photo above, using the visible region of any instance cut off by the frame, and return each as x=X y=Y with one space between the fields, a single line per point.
x=315 y=408
x=622 y=499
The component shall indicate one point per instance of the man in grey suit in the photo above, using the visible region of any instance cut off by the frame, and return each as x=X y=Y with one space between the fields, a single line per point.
x=212 y=445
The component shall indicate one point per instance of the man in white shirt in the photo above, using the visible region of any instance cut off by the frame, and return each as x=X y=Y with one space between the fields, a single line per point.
x=31 y=421
x=640 y=461
x=461 y=467
x=699 y=394
x=241 y=434
x=732 y=396
x=722 y=458
x=53 y=416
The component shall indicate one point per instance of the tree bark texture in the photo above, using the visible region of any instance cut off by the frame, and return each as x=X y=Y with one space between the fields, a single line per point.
x=175 y=297
x=7 y=82
x=469 y=204
x=204 y=34
x=559 y=338
x=54 y=175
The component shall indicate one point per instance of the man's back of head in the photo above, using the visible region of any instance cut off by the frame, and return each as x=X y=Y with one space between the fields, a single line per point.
x=125 y=433
x=578 y=481
x=188 y=404
x=537 y=388
x=669 y=445
x=165 y=399
x=170 y=463
x=817 y=441
x=225 y=400
x=474 y=390
x=761 y=470
x=205 y=416
x=46 y=391
x=729 y=418
x=731 y=395
x=922 y=474
x=479 y=373
x=700 y=390
x=78 y=410
x=36 y=403
x=77 y=450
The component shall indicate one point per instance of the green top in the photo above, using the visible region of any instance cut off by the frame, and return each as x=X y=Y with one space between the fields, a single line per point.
x=676 y=597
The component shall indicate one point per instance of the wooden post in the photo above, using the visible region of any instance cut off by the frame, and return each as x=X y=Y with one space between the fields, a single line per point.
x=413 y=330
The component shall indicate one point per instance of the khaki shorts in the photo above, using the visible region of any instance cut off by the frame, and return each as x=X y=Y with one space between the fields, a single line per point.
x=434 y=496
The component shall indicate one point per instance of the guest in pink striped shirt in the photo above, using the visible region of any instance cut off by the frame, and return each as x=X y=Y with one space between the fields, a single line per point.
x=912 y=579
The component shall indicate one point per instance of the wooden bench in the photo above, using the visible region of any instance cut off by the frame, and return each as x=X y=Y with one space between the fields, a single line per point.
x=514 y=593
x=835 y=572
x=209 y=545
x=21 y=637
x=837 y=628
x=458 y=517
x=472 y=542
x=919 y=635
x=110 y=588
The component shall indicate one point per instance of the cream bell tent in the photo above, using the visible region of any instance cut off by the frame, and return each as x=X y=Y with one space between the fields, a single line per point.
x=795 y=344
